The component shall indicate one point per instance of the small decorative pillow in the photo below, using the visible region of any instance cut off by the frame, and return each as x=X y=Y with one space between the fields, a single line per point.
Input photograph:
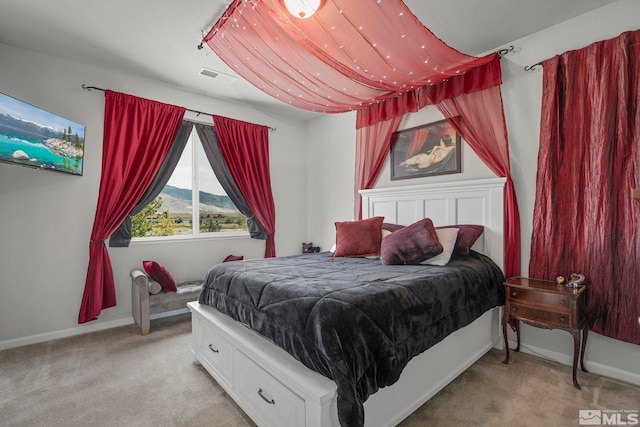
x=467 y=236
x=358 y=238
x=233 y=258
x=411 y=245
x=154 y=287
x=158 y=272
x=447 y=238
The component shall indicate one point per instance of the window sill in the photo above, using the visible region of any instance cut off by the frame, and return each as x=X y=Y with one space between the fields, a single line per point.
x=190 y=238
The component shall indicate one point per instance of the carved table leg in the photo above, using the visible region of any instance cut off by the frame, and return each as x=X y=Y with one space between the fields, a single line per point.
x=505 y=321
x=576 y=353
x=585 y=334
x=517 y=323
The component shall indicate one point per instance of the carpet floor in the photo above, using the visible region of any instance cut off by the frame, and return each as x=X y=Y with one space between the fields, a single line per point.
x=117 y=377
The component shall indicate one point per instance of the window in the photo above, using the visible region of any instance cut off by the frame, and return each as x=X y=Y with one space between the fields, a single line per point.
x=192 y=195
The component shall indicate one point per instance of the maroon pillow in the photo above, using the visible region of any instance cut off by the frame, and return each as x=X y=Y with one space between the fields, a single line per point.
x=467 y=236
x=159 y=273
x=359 y=238
x=233 y=258
x=411 y=245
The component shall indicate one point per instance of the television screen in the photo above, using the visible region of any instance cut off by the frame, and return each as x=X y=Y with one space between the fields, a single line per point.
x=33 y=137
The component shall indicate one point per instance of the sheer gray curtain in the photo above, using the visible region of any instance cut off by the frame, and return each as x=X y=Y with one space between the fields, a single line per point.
x=122 y=236
x=209 y=140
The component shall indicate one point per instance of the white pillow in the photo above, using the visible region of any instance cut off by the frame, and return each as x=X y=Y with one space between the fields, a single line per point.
x=447 y=238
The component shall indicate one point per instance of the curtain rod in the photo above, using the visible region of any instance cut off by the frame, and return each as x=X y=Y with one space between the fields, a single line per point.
x=510 y=49
x=533 y=67
x=89 y=88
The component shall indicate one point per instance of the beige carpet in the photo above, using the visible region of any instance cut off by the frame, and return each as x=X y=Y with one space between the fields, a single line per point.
x=120 y=378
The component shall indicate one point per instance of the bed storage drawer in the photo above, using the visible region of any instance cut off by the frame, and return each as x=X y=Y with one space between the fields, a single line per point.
x=255 y=373
x=271 y=402
x=214 y=352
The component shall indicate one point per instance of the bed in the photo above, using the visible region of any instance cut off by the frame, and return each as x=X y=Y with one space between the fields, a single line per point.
x=305 y=340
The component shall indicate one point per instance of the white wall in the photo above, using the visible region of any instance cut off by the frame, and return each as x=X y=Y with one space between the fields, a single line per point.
x=46 y=217
x=522 y=92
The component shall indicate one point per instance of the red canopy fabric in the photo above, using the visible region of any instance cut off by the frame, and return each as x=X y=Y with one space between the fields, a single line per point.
x=375 y=57
x=349 y=54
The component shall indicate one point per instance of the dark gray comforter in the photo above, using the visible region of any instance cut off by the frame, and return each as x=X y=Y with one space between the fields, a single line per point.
x=354 y=320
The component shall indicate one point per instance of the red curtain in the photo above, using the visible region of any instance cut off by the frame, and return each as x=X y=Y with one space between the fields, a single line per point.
x=372 y=146
x=486 y=74
x=585 y=220
x=137 y=135
x=245 y=147
x=479 y=119
x=472 y=103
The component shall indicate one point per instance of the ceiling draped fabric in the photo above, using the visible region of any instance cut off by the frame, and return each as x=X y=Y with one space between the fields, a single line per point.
x=350 y=54
x=371 y=56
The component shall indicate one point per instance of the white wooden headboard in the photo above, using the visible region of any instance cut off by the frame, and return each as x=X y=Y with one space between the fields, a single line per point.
x=478 y=201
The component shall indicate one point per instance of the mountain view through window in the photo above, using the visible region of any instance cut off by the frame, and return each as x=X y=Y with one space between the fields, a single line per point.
x=192 y=195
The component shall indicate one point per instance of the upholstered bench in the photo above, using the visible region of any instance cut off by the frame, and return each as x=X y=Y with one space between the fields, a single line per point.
x=148 y=297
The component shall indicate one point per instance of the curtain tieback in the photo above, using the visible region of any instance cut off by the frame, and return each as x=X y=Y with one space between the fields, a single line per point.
x=97 y=241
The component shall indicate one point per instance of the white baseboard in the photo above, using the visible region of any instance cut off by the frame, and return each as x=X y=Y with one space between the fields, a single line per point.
x=48 y=336
x=169 y=313
x=78 y=330
x=565 y=359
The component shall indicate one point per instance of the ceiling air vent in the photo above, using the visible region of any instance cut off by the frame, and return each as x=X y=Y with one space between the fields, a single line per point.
x=217 y=75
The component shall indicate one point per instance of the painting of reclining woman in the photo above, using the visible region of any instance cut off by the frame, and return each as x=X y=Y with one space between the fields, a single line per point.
x=428 y=150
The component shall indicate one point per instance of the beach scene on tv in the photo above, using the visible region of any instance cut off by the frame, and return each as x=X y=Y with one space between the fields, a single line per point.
x=31 y=136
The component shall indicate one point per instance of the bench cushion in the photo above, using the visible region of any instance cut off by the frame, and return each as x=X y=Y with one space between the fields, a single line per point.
x=167 y=301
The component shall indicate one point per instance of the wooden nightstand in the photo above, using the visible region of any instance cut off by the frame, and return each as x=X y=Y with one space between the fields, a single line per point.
x=546 y=304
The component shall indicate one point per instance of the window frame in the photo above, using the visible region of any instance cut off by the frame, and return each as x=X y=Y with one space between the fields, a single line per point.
x=195 y=234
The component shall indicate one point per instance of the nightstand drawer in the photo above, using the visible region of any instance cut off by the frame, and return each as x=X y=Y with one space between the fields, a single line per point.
x=543 y=316
x=558 y=301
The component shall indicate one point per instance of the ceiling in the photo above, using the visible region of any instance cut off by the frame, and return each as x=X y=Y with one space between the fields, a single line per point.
x=158 y=39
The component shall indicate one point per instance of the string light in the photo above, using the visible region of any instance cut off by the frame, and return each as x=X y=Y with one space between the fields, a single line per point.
x=378 y=77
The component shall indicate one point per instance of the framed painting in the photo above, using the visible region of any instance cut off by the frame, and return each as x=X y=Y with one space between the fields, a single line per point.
x=429 y=150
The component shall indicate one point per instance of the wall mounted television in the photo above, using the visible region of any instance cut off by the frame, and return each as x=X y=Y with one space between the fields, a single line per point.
x=33 y=137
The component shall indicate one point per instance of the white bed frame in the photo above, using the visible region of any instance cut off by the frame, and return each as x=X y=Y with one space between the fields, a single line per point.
x=274 y=389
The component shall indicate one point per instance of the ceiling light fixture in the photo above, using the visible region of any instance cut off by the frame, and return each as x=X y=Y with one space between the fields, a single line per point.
x=302 y=9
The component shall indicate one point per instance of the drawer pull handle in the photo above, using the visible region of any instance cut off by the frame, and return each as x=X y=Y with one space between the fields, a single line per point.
x=269 y=401
x=563 y=319
x=514 y=294
x=514 y=308
x=215 y=350
x=563 y=302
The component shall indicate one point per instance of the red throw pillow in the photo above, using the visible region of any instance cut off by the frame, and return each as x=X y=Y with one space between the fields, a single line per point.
x=467 y=236
x=411 y=244
x=233 y=258
x=158 y=272
x=359 y=238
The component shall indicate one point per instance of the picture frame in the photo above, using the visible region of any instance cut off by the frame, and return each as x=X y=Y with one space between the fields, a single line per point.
x=428 y=150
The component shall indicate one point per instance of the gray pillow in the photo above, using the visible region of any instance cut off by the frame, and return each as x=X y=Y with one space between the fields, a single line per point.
x=154 y=287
